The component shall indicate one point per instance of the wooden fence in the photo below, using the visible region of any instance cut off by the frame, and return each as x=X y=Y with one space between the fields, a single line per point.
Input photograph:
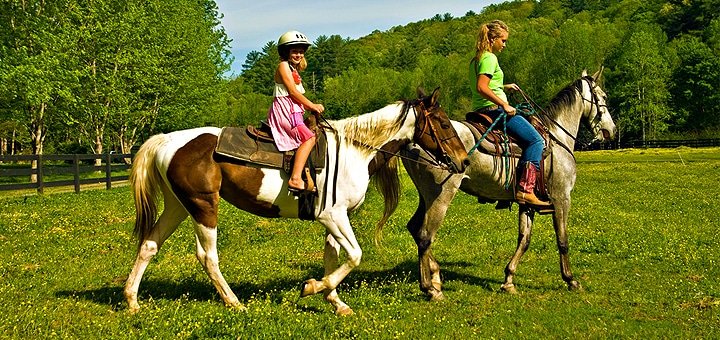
x=63 y=165
x=693 y=143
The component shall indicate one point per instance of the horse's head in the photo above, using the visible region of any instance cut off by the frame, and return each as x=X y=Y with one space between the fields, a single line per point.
x=434 y=132
x=597 y=116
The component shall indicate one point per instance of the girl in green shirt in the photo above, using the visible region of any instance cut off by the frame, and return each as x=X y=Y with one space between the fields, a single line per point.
x=488 y=97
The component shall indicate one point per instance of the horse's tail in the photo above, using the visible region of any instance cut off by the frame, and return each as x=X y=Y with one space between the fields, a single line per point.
x=388 y=183
x=145 y=182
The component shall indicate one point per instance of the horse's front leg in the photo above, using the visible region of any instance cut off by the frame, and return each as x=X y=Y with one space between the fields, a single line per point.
x=526 y=216
x=560 y=224
x=330 y=263
x=422 y=226
x=435 y=190
x=339 y=234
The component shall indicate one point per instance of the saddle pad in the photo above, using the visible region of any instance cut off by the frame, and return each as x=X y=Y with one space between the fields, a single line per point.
x=238 y=143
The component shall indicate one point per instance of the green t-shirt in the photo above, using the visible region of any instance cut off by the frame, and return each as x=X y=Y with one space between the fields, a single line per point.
x=488 y=65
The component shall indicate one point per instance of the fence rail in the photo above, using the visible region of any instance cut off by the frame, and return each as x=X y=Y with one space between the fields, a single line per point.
x=693 y=143
x=71 y=164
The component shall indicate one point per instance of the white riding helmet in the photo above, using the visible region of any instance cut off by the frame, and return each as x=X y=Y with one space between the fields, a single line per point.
x=293 y=38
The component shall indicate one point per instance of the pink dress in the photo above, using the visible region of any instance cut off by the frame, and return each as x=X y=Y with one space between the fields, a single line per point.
x=285 y=117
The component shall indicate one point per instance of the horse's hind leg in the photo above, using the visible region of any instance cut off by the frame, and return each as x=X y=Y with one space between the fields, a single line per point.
x=173 y=214
x=560 y=225
x=525 y=221
x=207 y=255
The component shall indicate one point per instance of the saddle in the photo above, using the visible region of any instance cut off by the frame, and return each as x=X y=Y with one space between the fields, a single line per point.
x=498 y=144
x=495 y=140
x=256 y=145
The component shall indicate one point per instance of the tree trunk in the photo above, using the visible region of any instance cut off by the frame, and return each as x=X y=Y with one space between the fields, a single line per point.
x=98 y=144
x=38 y=138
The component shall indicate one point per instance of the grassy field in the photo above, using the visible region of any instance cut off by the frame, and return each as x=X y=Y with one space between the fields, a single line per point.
x=643 y=243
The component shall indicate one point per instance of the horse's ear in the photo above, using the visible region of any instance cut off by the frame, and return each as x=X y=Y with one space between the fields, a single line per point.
x=421 y=92
x=584 y=74
x=598 y=74
x=435 y=95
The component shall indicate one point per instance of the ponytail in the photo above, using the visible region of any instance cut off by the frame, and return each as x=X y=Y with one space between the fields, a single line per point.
x=488 y=32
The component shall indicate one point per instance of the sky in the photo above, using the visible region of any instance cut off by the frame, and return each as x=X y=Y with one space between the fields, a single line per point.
x=251 y=24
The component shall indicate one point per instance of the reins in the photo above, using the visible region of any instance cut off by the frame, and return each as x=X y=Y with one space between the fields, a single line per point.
x=594 y=100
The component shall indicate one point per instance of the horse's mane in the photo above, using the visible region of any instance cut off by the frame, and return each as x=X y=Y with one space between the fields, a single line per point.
x=565 y=98
x=372 y=129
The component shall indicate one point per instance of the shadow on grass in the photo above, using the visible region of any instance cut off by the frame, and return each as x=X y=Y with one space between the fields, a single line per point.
x=202 y=290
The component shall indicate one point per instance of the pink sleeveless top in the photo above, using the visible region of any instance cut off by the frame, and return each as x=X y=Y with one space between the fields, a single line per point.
x=285 y=117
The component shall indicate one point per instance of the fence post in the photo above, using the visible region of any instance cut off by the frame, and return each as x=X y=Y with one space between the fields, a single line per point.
x=76 y=172
x=108 y=174
x=40 y=174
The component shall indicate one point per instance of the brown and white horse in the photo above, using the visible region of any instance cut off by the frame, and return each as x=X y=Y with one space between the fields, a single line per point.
x=183 y=168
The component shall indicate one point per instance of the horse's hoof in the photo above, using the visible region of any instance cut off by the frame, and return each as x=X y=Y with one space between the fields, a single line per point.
x=133 y=309
x=344 y=311
x=509 y=288
x=436 y=295
x=575 y=286
x=309 y=287
x=236 y=306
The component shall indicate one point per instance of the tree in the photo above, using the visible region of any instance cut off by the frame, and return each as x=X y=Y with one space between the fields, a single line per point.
x=259 y=69
x=147 y=65
x=35 y=72
x=642 y=75
x=696 y=84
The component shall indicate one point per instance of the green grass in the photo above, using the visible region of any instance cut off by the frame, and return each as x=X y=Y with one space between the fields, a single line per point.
x=643 y=243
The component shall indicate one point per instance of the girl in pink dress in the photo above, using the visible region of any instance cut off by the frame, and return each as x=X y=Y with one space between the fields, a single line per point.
x=285 y=116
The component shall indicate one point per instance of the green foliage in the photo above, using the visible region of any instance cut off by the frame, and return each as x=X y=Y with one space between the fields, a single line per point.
x=112 y=73
x=642 y=78
x=697 y=86
x=648 y=266
x=110 y=70
x=650 y=79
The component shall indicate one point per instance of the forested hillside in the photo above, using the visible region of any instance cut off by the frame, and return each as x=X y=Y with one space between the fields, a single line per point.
x=661 y=59
x=101 y=75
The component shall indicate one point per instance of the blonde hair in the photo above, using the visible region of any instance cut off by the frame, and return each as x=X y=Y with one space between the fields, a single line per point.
x=488 y=32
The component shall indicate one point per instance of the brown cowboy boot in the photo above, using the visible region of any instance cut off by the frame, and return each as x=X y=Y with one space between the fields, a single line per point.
x=526 y=187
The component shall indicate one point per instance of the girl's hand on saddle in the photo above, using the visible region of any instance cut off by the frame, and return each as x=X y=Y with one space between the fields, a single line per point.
x=509 y=109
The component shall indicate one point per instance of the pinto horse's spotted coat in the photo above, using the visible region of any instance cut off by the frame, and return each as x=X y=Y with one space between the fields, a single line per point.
x=183 y=168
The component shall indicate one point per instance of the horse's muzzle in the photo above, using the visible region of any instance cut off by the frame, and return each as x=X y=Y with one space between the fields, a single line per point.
x=458 y=168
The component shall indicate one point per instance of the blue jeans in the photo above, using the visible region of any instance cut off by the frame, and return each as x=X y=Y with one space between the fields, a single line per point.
x=528 y=138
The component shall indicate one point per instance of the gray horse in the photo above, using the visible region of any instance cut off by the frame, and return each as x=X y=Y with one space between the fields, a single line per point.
x=583 y=100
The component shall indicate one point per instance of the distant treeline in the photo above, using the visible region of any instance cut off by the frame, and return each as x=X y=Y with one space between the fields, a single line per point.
x=107 y=75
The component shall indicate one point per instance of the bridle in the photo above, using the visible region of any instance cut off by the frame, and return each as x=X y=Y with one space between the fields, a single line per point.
x=428 y=127
x=594 y=101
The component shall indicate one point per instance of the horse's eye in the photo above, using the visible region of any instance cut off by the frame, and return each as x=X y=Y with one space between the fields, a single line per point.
x=445 y=125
